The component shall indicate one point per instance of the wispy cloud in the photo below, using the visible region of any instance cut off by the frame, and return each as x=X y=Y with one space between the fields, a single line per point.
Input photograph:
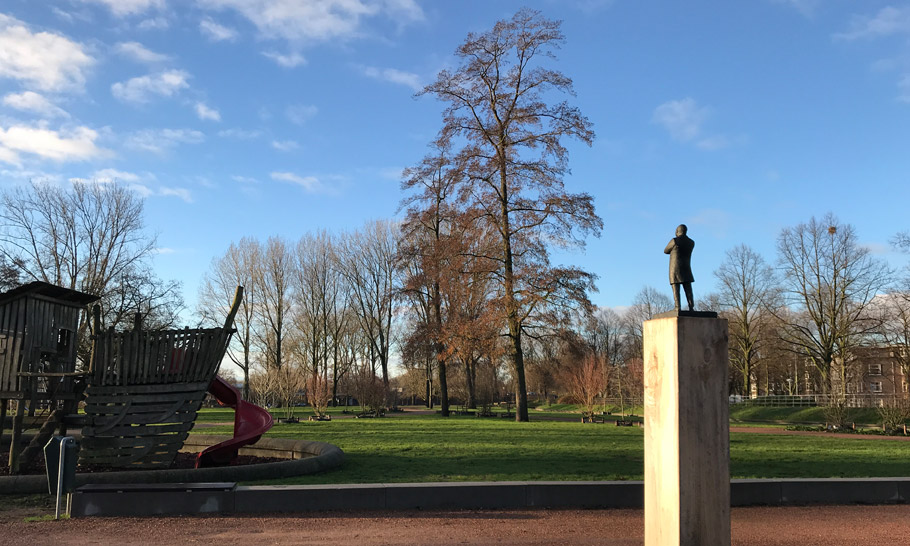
x=216 y=32
x=138 y=52
x=805 y=7
x=29 y=101
x=154 y=23
x=181 y=193
x=289 y=60
x=114 y=175
x=124 y=8
x=285 y=145
x=326 y=20
x=684 y=120
x=887 y=22
x=309 y=183
x=143 y=88
x=393 y=75
x=240 y=134
x=41 y=60
x=205 y=113
x=71 y=144
x=300 y=113
x=162 y=141
x=903 y=87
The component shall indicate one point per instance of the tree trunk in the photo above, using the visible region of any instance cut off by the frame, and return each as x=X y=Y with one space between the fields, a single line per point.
x=471 y=379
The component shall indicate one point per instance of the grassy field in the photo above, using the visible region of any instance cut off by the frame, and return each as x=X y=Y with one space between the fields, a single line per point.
x=797 y=415
x=429 y=448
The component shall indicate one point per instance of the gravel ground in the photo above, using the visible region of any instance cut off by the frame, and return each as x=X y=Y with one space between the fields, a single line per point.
x=766 y=526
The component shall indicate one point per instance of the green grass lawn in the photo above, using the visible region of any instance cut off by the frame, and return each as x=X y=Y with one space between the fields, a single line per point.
x=797 y=415
x=429 y=448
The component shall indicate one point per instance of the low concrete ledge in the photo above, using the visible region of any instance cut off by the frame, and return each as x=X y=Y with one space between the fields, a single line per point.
x=136 y=500
x=304 y=457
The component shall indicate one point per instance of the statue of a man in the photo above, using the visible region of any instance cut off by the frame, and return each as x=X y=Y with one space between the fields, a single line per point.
x=680 y=250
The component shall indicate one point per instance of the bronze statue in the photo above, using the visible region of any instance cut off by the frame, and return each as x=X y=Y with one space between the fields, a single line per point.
x=680 y=250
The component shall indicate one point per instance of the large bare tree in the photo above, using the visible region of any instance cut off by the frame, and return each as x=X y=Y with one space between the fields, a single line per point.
x=829 y=281
x=368 y=263
x=747 y=291
x=89 y=237
x=236 y=267
x=511 y=146
x=273 y=281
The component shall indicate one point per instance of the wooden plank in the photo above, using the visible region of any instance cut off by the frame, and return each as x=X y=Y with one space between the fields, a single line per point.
x=102 y=390
x=101 y=422
x=141 y=430
x=100 y=445
x=143 y=398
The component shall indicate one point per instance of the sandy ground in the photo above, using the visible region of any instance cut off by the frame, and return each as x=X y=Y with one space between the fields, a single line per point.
x=766 y=526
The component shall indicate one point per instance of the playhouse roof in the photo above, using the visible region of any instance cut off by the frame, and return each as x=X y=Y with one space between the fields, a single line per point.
x=64 y=295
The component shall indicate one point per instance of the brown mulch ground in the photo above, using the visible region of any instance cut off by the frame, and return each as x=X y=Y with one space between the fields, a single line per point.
x=754 y=526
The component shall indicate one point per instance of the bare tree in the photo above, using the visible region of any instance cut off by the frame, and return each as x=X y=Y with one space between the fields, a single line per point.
x=430 y=243
x=648 y=302
x=368 y=259
x=89 y=237
x=747 y=290
x=273 y=283
x=236 y=267
x=515 y=160
x=829 y=280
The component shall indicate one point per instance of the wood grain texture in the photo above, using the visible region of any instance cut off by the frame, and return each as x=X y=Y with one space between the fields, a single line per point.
x=687 y=442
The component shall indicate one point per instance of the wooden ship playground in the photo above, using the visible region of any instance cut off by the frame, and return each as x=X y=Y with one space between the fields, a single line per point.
x=140 y=391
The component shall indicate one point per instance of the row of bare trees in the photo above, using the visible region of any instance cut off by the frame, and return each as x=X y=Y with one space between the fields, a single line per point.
x=812 y=312
x=317 y=316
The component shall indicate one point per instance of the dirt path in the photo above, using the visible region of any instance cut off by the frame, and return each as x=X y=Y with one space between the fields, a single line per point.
x=802 y=526
x=774 y=430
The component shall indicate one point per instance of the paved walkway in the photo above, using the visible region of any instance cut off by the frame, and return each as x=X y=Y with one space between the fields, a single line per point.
x=757 y=526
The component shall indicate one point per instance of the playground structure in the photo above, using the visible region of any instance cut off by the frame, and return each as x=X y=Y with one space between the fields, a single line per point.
x=38 y=326
x=143 y=389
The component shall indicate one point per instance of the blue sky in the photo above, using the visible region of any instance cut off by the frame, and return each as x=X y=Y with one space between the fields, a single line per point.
x=261 y=117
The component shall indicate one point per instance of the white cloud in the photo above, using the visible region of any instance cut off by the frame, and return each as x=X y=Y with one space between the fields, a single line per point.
x=326 y=20
x=142 y=88
x=244 y=179
x=113 y=175
x=29 y=101
x=393 y=75
x=888 y=21
x=290 y=60
x=683 y=119
x=300 y=113
x=41 y=60
x=240 y=134
x=123 y=8
x=903 y=87
x=164 y=250
x=215 y=32
x=309 y=183
x=806 y=7
x=75 y=144
x=285 y=145
x=182 y=193
x=205 y=113
x=138 y=52
x=161 y=141
x=154 y=23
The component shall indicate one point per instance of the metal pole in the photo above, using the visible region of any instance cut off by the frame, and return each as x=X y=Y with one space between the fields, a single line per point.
x=63 y=444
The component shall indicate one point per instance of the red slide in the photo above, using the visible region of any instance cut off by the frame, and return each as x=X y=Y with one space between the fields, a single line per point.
x=250 y=422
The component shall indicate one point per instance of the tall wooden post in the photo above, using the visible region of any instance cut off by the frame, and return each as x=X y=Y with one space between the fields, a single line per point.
x=15 y=437
x=687 y=431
